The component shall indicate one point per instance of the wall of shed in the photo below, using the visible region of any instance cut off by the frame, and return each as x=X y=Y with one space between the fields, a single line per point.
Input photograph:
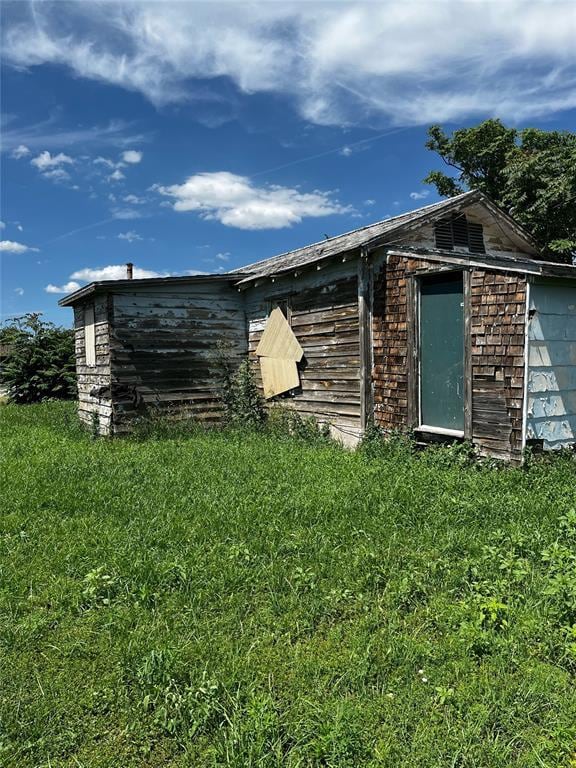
x=164 y=348
x=551 y=385
x=324 y=318
x=497 y=312
x=94 y=400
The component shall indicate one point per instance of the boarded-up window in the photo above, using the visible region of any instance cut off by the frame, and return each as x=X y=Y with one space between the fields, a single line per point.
x=279 y=352
x=89 y=335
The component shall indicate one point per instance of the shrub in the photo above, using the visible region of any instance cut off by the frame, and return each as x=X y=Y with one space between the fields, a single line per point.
x=41 y=364
x=284 y=421
x=377 y=442
x=243 y=403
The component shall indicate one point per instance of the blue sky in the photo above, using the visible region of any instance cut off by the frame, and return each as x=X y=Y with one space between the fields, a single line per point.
x=197 y=137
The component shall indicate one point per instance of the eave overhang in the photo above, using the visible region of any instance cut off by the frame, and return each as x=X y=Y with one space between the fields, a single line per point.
x=109 y=286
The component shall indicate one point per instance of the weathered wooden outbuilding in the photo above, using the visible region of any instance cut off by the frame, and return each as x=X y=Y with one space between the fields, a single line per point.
x=444 y=321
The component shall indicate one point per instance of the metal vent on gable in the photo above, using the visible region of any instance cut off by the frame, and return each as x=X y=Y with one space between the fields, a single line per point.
x=475 y=238
x=460 y=231
x=443 y=233
x=457 y=231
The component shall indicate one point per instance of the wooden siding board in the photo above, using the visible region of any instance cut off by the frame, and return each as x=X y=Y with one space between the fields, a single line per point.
x=164 y=349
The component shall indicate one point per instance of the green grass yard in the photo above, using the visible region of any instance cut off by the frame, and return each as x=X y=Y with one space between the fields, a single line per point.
x=227 y=599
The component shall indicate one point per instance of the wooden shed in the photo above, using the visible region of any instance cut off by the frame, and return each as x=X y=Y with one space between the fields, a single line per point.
x=444 y=321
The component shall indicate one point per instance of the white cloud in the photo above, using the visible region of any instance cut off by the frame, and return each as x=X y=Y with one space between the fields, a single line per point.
x=134 y=200
x=19 y=227
x=104 y=161
x=222 y=256
x=116 y=176
x=57 y=174
x=89 y=275
x=125 y=214
x=346 y=151
x=69 y=287
x=19 y=291
x=340 y=63
x=236 y=202
x=369 y=202
x=131 y=236
x=2 y=225
x=9 y=246
x=20 y=151
x=45 y=161
x=420 y=195
x=48 y=134
x=114 y=272
x=132 y=156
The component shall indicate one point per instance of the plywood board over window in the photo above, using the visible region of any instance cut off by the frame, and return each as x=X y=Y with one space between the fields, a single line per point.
x=278 y=376
x=278 y=340
x=279 y=351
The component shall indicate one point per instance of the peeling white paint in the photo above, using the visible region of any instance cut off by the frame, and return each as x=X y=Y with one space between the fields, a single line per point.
x=257 y=325
x=551 y=406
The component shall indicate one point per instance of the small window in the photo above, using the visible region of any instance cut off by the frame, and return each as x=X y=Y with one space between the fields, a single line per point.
x=283 y=305
x=457 y=232
x=89 y=335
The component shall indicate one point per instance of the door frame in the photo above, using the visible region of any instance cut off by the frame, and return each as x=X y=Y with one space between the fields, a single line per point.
x=413 y=293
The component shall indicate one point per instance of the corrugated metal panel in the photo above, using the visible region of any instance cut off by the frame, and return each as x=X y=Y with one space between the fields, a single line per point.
x=551 y=413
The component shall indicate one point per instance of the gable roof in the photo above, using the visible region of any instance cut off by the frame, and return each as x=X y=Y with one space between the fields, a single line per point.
x=381 y=230
x=371 y=236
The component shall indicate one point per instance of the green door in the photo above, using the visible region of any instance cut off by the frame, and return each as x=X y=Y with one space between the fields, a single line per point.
x=442 y=352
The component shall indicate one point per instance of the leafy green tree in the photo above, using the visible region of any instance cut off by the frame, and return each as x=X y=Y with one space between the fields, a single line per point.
x=530 y=173
x=41 y=363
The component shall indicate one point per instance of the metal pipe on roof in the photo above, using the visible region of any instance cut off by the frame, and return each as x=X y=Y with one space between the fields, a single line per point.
x=129 y=270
